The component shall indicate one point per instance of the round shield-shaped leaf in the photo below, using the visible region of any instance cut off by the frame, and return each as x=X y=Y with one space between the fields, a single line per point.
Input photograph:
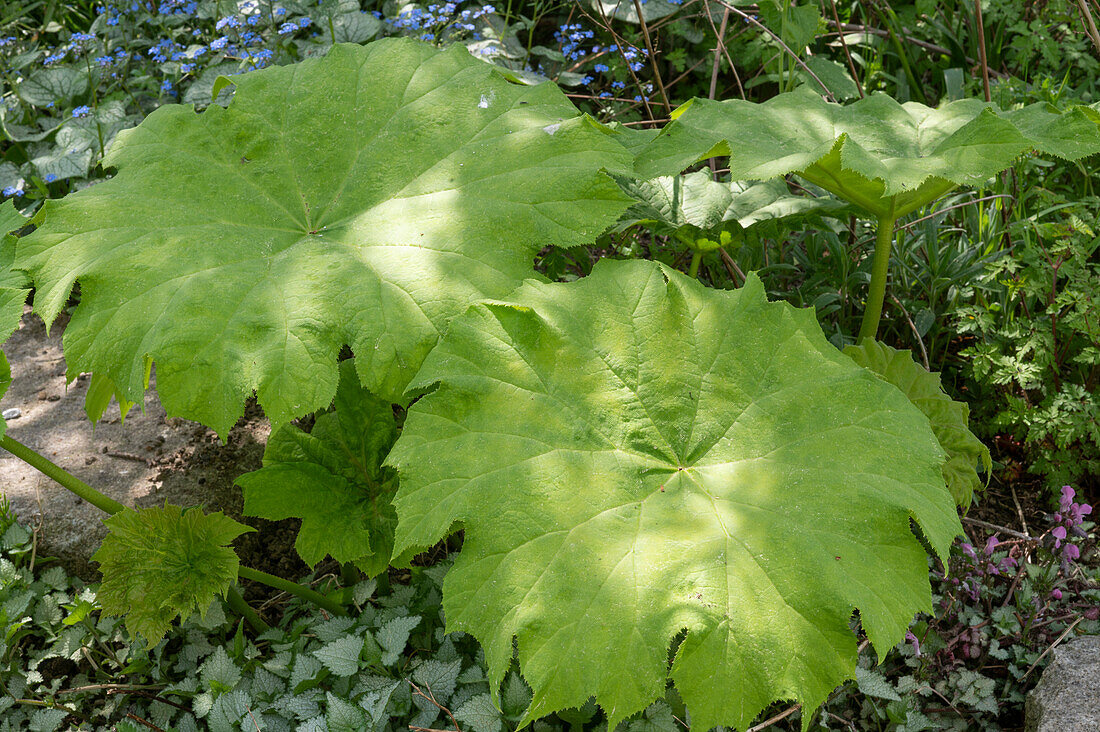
x=633 y=455
x=359 y=199
x=885 y=157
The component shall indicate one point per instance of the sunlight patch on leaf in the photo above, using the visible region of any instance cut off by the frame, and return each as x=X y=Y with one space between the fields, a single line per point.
x=631 y=455
x=362 y=199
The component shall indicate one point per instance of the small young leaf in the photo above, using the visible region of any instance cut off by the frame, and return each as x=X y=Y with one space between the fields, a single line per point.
x=633 y=454
x=332 y=479
x=158 y=563
x=341 y=656
x=949 y=419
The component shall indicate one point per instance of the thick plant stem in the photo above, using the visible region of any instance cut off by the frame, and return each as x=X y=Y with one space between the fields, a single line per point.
x=111 y=506
x=242 y=608
x=884 y=238
x=293 y=588
x=59 y=474
x=696 y=258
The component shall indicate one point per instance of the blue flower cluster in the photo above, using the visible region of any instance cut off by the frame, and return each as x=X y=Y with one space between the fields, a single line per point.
x=441 y=22
x=574 y=40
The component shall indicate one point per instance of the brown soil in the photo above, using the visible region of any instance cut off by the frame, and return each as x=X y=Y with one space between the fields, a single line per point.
x=148 y=460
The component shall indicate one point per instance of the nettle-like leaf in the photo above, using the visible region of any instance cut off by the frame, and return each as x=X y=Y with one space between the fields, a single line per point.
x=887 y=158
x=359 y=199
x=633 y=455
x=695 y=201
x=949 y=419
x=161 y=562
x=332 y=478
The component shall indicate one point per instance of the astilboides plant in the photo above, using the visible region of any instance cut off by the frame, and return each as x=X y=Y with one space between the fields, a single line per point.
x=886 y=159
x=640 y=464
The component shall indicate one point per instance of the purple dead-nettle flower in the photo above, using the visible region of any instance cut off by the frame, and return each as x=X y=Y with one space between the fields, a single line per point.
x=916 y=643
x=1056 y=594
x=968 y=550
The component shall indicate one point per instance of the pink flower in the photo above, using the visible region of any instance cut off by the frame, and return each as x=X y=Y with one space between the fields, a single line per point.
x=1056 y=594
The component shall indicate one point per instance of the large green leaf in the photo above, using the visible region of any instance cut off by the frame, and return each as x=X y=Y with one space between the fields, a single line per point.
x=950 y=419
x=632 y=455
x=885 y=157
x=13 y=289
x=332 y=478
x=363 y=198
x=158 y=563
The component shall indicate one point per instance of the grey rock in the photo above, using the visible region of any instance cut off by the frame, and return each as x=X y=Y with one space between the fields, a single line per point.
x=12 y=413
x=1067 y=697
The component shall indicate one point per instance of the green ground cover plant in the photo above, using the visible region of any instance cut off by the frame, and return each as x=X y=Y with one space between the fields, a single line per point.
x=648 y=473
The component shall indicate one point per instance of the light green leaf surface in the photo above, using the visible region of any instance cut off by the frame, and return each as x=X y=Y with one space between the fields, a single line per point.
x=13 y=289
x=359 y=199
x=885 y=157
x=158 y=563
x=332 y=478
x=949 y=419
x=633 y=454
